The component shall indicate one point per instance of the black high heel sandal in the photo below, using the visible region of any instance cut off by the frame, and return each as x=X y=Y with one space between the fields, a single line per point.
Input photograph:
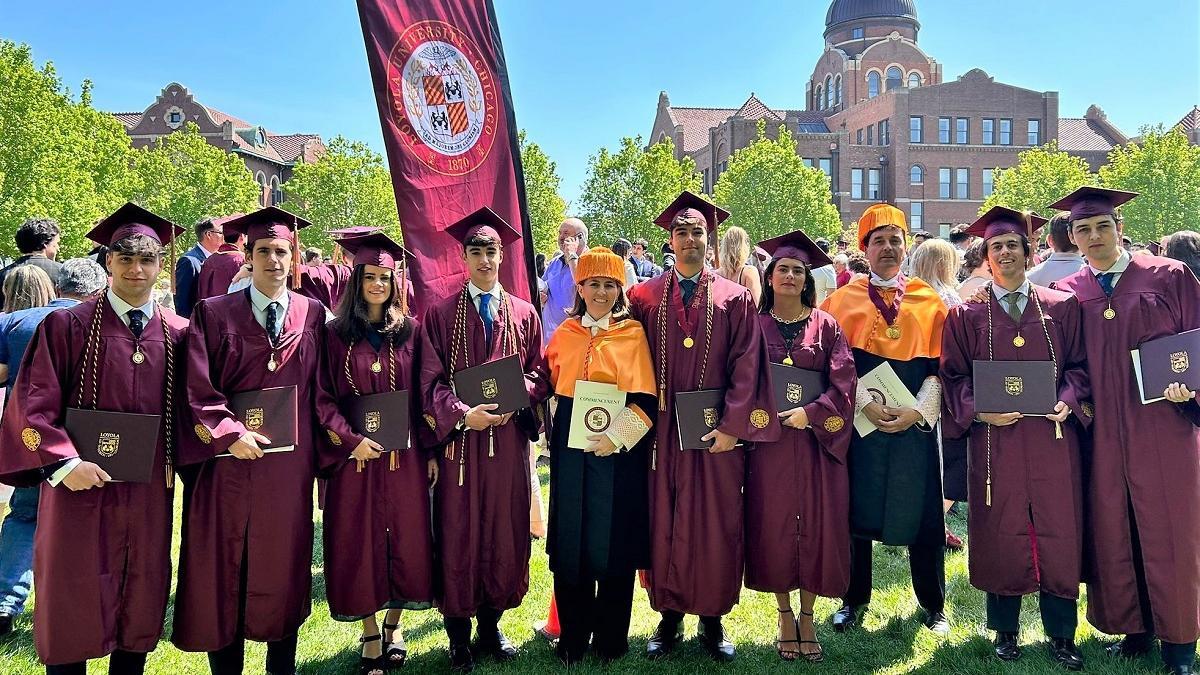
x=814 y=657
x=786 y=654
x=393 y=655
x=370 y=665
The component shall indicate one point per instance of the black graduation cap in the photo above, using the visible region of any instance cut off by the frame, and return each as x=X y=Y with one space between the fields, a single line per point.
x=798 y=246
x=688 y=204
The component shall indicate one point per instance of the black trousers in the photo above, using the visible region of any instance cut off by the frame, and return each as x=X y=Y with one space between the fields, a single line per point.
x=926 y=563
x=119 y=663
x=458 y=628
x=1059 y=615
x=229 y=660
x=599 y=607
x=1173 y=653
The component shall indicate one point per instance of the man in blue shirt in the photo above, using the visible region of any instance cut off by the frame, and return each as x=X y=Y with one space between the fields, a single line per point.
x=559 y=296
x=78 y=279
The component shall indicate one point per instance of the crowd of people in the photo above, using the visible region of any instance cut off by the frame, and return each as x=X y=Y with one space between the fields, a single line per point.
x=744 y=415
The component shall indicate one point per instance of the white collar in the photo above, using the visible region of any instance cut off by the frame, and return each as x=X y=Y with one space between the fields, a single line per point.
x=1000 y=291
x=877 y=280
x=123 y=308
x=1118 y=267
x=476 y=291
x=595 y=325
x=261 y=301
x=695 y=277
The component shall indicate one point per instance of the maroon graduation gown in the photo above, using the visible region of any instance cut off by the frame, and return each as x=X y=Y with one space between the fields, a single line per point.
x=317 y=282
x=481 y=528
x=218 y=271
x=256 y=513
x=1144 y=456
x=1031 y=537
x=101 y=557
x=376 y=529
x=696 y=516
x=797 y=488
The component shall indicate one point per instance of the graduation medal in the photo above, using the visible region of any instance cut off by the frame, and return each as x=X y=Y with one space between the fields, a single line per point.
x=376 y=367
x=1018 y=342
x=272 y=365
x=688 y=342
x=787 y=360
x=893 y=332
x=138 y=357
x=1110 y=313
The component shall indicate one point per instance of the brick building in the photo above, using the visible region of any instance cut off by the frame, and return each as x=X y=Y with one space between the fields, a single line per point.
x=269 y=156
x=884 y=125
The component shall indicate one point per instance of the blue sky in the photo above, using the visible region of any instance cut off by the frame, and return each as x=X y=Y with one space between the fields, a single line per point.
x=585 y=74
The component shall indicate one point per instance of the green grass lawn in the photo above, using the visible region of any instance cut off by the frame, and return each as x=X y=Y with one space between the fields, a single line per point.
x=892 y=639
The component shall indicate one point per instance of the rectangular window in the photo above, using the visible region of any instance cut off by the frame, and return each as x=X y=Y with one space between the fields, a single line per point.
x=1005 y=132
x=944 y=230
x=873 y=184
x=856 y=183
x=916 y=130
x=871 y=135
x=826 y=165
x=856 y=33
x=989 y=132
x=962 y=180
x=917 y=215
x=883 y=133
x=943 y=183
x=1035 y=132
x=808 y=162
x=988 y=182
x=859 y=137
x=943 y=130
x=176 y=117
x=961 y=130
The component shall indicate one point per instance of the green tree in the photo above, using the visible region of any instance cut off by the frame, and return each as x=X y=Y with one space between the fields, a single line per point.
x=1041 y=177
x=59 y=157
x=625 y=191
x=348 y=186
x=184 y=178
x=769 y=191
x=546 y=207
x=1165 y=170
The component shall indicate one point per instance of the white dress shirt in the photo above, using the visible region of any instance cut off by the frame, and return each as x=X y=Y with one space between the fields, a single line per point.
x=1057 y=266
x=879 y=281
x=1117 y=269
x=1000 y=292
x=476 y=291
x=259 y=302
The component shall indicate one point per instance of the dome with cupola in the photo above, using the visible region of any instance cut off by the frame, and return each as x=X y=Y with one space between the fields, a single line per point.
x=899 y=15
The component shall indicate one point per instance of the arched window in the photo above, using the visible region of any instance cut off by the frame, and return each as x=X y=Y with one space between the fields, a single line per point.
x=828 y=91
x=872 y=84
x=916 y=175
x=837 y=85
x=276 y=191
x=914 y=80
x=261 y=179
x=820 y=99
x=895 y=78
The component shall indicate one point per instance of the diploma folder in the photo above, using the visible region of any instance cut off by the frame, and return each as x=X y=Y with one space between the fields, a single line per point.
x=270 y=412
x=123 y=444
x=501 y=382
x=1026 y=387
x=795 y=387
x=382 y=418
x=886 y=389
x=1161 y=362
x=593 y=408
x=696 y=414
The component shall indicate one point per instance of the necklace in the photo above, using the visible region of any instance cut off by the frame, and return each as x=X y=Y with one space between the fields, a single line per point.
x=799 y=317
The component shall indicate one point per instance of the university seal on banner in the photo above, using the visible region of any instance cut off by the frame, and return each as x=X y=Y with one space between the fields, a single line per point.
x=443 y=97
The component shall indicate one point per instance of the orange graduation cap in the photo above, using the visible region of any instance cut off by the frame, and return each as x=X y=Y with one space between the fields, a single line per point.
x=375 y=248
x=1087 y=202
x=694 y=206
x=797 y=246
x=1002 y=220
x=877 y=216
x=483 y=223
x=272 y=223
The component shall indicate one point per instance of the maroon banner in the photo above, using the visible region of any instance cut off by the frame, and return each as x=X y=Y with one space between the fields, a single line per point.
x=442 y=88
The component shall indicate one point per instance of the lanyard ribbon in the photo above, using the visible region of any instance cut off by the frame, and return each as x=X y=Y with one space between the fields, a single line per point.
x=888 y=312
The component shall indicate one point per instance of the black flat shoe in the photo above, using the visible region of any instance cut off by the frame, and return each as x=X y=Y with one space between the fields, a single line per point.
x=1131 y=646
x=715 y=643
x=1006 y=647
x=394 y=652
x=665 y=637
x=496 y=644
x=938 y=623
x=461 y=659
x=1064 y=653
x=847 y=617
x=371 y=665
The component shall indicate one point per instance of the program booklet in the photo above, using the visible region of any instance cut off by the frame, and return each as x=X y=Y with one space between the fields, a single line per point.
x=886 y=389
x=593 y=409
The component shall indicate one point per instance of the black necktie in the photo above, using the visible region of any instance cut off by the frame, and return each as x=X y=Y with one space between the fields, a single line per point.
x=273 y=321
x=1106 y=282
x=135 y=322
x=689 y=287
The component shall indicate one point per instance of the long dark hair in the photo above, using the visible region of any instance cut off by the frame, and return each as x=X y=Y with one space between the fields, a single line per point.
x=620 y=308
x=352 y=321
x=808 y=294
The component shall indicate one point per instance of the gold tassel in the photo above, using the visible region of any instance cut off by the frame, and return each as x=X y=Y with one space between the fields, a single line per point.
x=461 y=473
x=491 y=443
x=358 y=465
x=987 y=493
x=1058 y=430
x=450 y=451
x=170 y=477
x=392 y=462
x=654 y=456
x=662 y=399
